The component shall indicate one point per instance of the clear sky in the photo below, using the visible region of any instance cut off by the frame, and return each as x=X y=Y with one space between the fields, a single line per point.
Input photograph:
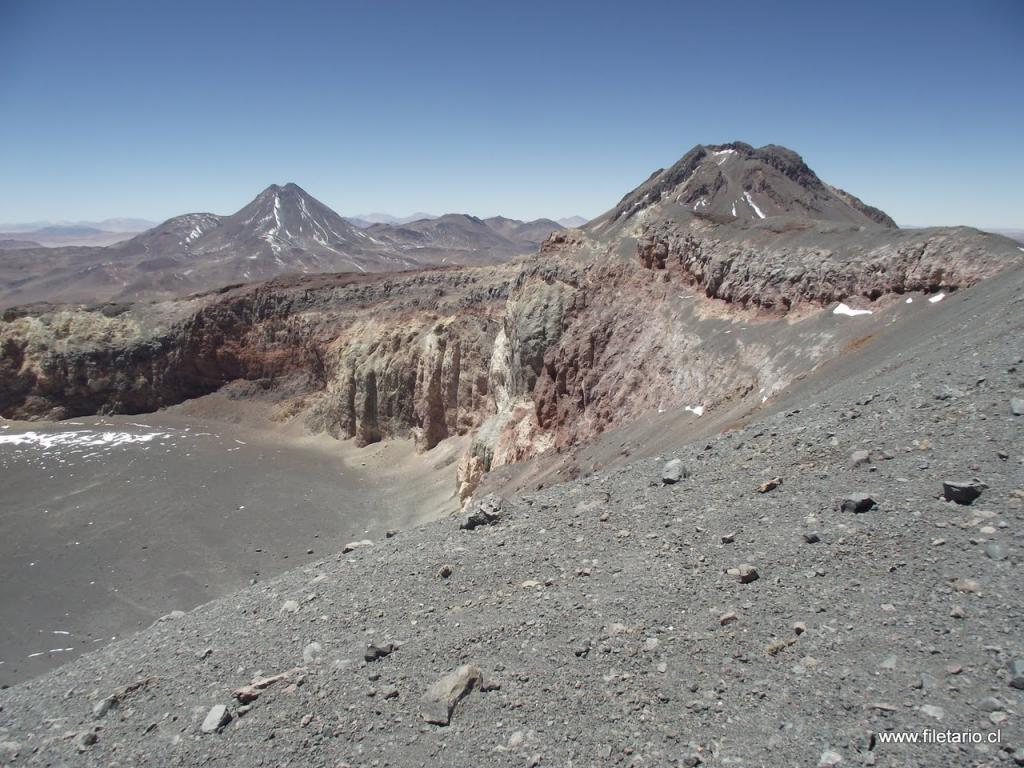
x=523 y=108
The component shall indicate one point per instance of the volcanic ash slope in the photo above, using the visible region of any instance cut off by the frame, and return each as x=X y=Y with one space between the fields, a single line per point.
x=617 y=621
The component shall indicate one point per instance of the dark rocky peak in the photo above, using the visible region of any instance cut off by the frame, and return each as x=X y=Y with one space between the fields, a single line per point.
x=736 y=181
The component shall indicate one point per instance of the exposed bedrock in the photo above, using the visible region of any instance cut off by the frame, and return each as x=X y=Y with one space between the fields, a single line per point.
x=810 y=264
x=544 y=354
x=364 y=357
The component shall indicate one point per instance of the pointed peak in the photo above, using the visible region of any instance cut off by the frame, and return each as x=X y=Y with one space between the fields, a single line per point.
x=734 y=181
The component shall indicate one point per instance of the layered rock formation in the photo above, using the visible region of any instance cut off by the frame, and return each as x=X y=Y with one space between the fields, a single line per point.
x=655 y=307
x=366 y=357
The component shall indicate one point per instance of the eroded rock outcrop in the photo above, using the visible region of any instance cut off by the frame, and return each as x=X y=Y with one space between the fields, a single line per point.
x=368 y=357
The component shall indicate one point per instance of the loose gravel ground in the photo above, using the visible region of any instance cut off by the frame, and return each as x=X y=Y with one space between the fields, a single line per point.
x=604 y=620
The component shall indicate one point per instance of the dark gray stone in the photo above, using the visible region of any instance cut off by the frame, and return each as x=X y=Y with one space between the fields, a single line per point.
x=1017 y=673
x=962 y=492
x=856 y=502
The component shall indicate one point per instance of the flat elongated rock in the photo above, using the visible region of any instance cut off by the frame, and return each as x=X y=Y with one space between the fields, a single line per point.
x=354 y=545
x=375 y=652
x=440 y=700
x=856 y=502
x=770 y=485
x=1017 y=406
x=962 y=492
x=673 y=472
x=216 y=718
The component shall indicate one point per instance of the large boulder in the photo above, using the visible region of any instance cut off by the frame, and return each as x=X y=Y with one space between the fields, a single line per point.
x=487 y=511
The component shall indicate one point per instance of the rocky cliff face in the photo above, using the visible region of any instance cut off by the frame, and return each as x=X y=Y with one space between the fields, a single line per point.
x=365 y=357
x=652 y=309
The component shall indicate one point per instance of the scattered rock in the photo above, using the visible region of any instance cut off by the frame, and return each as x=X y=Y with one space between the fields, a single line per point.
x=962 y=492
x=745 y=573
x=932 y=711
x=728 y=538
x=86 y=740
x=965 y=585
x=172 y=616
x=444 y=571
x=859 y=457
x=487 y=511
x=995 y=551
x=354 y=545
x=112 y=701
x=312 y=652
x=673 y=472
x=439 y=701
x=771 y=485
x=290 y=606
x=375 y=652
x=777 y=646
x=1017 y=673
x=856 y=502
x=830 y=759
x=249 y=693
x=1017 y=406
x=728 y=618
x=812 y=537
x=958 y=612
x=799 y=628
x=9 y=750
x=991 y=704
x=103 y=706
x=216 y=718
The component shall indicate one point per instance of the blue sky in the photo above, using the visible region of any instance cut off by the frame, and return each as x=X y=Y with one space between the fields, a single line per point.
x=526 y=109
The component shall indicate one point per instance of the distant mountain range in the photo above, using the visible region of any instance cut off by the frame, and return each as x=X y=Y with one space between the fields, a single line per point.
x=284 y=229
x=368 y=219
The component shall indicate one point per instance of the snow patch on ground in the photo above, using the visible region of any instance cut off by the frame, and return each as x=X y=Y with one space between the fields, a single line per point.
x=696 y=410
x=753 y=205
x=79 y=439
x=844 y=309
x=937 y=298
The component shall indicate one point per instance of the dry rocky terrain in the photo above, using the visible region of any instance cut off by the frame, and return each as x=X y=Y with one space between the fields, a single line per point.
x=778 y=576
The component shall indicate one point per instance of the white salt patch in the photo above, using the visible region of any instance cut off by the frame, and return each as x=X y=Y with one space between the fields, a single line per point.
x=937 y=298
x=696 y=410
x=843 y=309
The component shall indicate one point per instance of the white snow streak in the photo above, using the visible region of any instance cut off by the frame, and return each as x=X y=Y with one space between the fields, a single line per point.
x=937 y=298
x=753 y=205
x=696 y=410
x=843 y=309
